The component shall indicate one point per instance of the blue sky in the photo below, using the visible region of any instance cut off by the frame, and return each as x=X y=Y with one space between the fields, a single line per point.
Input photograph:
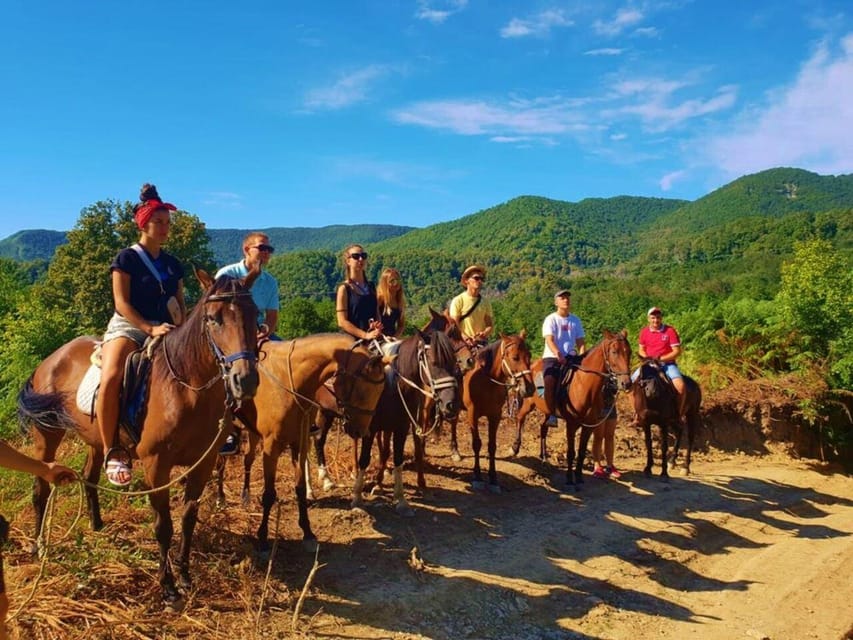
x=261 y=114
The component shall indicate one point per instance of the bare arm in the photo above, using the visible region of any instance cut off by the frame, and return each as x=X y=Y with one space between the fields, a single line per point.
x=13 y=459
x=271 y=319
x=121 y=296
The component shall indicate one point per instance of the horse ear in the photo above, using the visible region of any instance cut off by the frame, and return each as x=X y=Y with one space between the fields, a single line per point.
x=523 y=334
x=624 y=333
x=607 y=334
x=203 y=277
x=435 y=314
x=387 y=360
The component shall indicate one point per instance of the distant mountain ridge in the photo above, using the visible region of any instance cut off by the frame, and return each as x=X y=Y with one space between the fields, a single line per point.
x=40 y=244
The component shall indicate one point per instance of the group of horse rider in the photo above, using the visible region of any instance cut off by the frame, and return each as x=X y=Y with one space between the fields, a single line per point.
x=148 y=294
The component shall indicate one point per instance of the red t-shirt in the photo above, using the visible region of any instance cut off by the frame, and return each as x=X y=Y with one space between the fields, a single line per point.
x=658 y=343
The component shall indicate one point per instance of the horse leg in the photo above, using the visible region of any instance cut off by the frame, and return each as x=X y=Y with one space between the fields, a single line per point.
x=476 y=445
x=219 y=471
x=454 y=445
x=570 y=453
x=664 y=446
x=163 y=531
x=521 y=416
x=300 y=461
x=196 y=481
x=647 y=431
x=543 y=440
x=420 y=445
x=363 y=463
x=248 y=461
x=268 y=499
x=494 y=422
x=324 y=421
x=383 y=444
x=582 y=445
x=401 y=505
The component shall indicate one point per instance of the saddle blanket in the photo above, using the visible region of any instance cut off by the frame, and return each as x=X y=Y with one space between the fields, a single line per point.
x=88 y=390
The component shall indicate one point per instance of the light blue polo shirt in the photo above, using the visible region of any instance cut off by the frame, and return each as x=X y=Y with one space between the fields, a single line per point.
x=264 y=288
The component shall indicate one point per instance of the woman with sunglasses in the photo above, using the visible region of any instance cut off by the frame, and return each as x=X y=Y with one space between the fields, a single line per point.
x=256 y=253
x=470 y=310
x=357 y=309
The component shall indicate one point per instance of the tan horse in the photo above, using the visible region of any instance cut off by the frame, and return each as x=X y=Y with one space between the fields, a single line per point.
x=501 y=368
x=582 y=404
x=196 y=369
x=291 y=373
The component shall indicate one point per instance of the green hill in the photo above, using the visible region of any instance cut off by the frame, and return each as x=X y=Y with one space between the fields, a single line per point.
x=32 y=244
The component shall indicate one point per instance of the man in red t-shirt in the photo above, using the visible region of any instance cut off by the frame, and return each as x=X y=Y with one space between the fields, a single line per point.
x=660 y=341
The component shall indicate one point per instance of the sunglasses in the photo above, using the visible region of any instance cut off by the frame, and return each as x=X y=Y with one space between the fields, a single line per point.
x=265 y=247
x=478 y=278
x=358 y=256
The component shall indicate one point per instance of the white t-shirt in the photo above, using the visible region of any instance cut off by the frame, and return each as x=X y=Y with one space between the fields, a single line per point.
x=566 y=331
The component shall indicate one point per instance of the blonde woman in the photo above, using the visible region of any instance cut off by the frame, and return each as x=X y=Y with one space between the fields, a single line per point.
x=392 y=303
x=357 y=311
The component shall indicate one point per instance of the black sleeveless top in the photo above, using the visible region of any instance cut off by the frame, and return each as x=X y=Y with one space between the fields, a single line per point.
x=390 y=321
x=361 y=306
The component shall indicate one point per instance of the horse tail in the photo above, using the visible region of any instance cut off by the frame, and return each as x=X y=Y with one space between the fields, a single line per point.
x=43 y=410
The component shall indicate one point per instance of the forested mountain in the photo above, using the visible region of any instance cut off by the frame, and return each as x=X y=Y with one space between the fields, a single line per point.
x=40 y=244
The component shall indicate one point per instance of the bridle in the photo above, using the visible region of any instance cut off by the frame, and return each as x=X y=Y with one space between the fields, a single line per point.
x=223 y=361
x=435 y=385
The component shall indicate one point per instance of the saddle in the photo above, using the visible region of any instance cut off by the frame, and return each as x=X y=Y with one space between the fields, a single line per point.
x=134 y=389
x=654 y=382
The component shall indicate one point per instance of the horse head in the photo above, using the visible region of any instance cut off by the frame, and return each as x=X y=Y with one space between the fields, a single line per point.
x=445 y=323
x=617 y=357
x=439 y=373
x=229 y=317
x=357 y=385
x=515 y=362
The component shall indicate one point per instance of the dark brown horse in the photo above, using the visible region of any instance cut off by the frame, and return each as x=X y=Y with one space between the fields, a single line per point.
x=421 y=390
x=657 y=402
x=582 y=403
x=291 y=373
x=199 y=371
x=501 y=370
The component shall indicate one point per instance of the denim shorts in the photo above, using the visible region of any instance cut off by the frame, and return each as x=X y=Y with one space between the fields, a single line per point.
x=121 y=327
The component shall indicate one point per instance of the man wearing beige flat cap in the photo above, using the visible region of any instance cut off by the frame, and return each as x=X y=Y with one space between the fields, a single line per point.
x=470 y=310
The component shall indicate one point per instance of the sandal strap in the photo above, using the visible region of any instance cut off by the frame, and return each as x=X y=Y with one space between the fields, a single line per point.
x=119 y=454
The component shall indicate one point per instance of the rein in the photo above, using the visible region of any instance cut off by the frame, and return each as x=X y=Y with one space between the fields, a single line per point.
x=609 y=376
x=435 y=385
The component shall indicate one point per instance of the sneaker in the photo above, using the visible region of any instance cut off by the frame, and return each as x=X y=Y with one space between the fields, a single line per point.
x=613 y=472
x=599 y=472
x=551 y=421
x=230 y=447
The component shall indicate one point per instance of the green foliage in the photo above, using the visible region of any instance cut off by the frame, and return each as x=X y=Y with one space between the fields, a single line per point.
x=301 y=317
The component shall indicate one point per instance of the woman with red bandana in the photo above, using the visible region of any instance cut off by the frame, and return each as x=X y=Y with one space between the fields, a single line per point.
x=148 y=293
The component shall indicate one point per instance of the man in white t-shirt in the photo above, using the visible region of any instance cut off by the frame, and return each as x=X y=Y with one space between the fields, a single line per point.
x=564 y=337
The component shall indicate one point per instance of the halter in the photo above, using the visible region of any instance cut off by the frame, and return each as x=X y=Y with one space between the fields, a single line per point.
x=224 y=362
x=514 y=376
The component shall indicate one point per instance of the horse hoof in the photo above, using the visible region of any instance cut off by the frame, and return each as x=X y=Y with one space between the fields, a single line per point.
x=174 y=603
x=310 y=545
x=478 y=485
x=454 y=455
x=514 y=449
x=220 y=504
x=328 y=485
x=405 y=510
x=495 y=488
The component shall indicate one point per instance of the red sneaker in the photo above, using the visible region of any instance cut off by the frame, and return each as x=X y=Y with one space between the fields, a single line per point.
x=613 y=472
x=599 y=472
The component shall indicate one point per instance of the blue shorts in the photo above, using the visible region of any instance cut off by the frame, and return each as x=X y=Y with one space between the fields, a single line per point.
x=669 y=368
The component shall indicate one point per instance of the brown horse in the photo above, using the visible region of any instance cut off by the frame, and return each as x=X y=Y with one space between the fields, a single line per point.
x=291 y=373
x=421 y=390
x=582 y=404
x=464 y=361
x=500 y=369
x=656 y=402
x=199 y=371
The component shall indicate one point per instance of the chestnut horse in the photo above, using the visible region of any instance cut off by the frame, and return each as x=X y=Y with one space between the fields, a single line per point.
x=290 y=374
x=582 y=404
x=499 y=369
x=464 y=361
x=421 y=391
x=656 y=402
x=199 y=371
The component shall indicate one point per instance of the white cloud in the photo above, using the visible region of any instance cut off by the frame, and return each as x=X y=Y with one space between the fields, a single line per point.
x=539 y=25
x=607 y=51
x=544 y=117
x=623 y=19
x=648 y=32
x=667 y=181
x=808 y=124
x=224 y=199
x=438 y=12
x=616 y=137
x=347 y=90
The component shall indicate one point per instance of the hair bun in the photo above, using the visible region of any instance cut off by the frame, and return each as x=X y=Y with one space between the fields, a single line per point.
x=148 y=192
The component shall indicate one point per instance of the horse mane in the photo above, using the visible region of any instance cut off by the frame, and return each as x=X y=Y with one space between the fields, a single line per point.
x=187 y=343
x=441 y=346
x=406 y=362
x=486 y=356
